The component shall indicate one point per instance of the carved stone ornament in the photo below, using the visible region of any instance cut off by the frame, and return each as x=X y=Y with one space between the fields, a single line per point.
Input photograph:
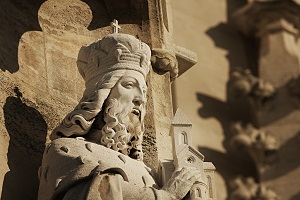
x=248 y=189
x=96 y=151
x=260 y=145
x=243 y=84
x=165 y=61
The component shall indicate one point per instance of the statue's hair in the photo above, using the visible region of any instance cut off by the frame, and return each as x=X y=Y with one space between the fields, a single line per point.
x=115 y=134
x=79 y=121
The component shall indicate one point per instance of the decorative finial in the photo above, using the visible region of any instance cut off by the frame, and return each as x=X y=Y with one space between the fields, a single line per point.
x=115 y=26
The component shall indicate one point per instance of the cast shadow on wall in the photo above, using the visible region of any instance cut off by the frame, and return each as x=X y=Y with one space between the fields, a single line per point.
x=27 y=130
x=226 y=37
x=227 y=164
x=16 y=18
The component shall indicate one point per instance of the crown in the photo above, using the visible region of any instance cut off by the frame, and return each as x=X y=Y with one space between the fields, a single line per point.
x=113 y=52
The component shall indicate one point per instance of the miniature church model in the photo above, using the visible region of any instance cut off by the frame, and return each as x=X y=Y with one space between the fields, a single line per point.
x=185 y=155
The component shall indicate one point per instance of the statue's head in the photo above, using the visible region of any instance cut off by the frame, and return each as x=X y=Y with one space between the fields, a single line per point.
x=112 y=108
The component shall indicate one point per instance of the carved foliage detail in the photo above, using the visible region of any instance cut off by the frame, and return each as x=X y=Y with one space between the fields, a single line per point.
x=260 y=145
x=248 y=189
x=165 y=61
x=244 y=84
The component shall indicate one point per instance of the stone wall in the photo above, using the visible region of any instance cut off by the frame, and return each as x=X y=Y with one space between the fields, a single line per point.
x=268 y=51
x=201 y=91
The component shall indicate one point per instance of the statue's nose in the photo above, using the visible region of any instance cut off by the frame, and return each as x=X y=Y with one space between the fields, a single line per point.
x=137 y=101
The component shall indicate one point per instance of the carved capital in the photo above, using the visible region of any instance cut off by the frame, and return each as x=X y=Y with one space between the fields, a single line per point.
x=268 y=15
x=260 y=145
x=248 y=189
x=165 y=61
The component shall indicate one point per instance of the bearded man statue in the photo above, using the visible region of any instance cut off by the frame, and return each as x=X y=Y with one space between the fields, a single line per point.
x=96 y=151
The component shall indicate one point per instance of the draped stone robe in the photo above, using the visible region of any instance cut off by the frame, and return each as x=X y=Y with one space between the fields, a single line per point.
x=75 y=169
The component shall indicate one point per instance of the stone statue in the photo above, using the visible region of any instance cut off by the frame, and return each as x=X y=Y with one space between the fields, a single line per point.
x=96 y=151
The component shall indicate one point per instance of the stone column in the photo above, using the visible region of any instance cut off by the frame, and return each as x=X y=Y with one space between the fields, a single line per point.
x=275 y=24
x=168 y=61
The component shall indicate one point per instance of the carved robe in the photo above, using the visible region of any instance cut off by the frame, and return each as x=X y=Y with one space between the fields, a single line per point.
x=77 y=169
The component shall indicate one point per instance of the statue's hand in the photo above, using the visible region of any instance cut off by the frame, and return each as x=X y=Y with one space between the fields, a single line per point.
x=181 y=181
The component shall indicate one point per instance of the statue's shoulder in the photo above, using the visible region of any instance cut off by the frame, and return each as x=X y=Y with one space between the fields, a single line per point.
x=85 y=158
x=82 y=152
x=69 y=160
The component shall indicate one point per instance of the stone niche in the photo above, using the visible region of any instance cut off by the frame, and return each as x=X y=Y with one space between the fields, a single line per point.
x=40 y=82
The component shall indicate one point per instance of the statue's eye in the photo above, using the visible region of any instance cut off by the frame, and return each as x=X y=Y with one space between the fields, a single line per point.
x=128 y=85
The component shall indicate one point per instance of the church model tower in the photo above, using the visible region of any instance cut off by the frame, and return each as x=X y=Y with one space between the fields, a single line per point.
x=185 y=155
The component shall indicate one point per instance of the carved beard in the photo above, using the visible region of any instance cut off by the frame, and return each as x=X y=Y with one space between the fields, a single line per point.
x=122 y=130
